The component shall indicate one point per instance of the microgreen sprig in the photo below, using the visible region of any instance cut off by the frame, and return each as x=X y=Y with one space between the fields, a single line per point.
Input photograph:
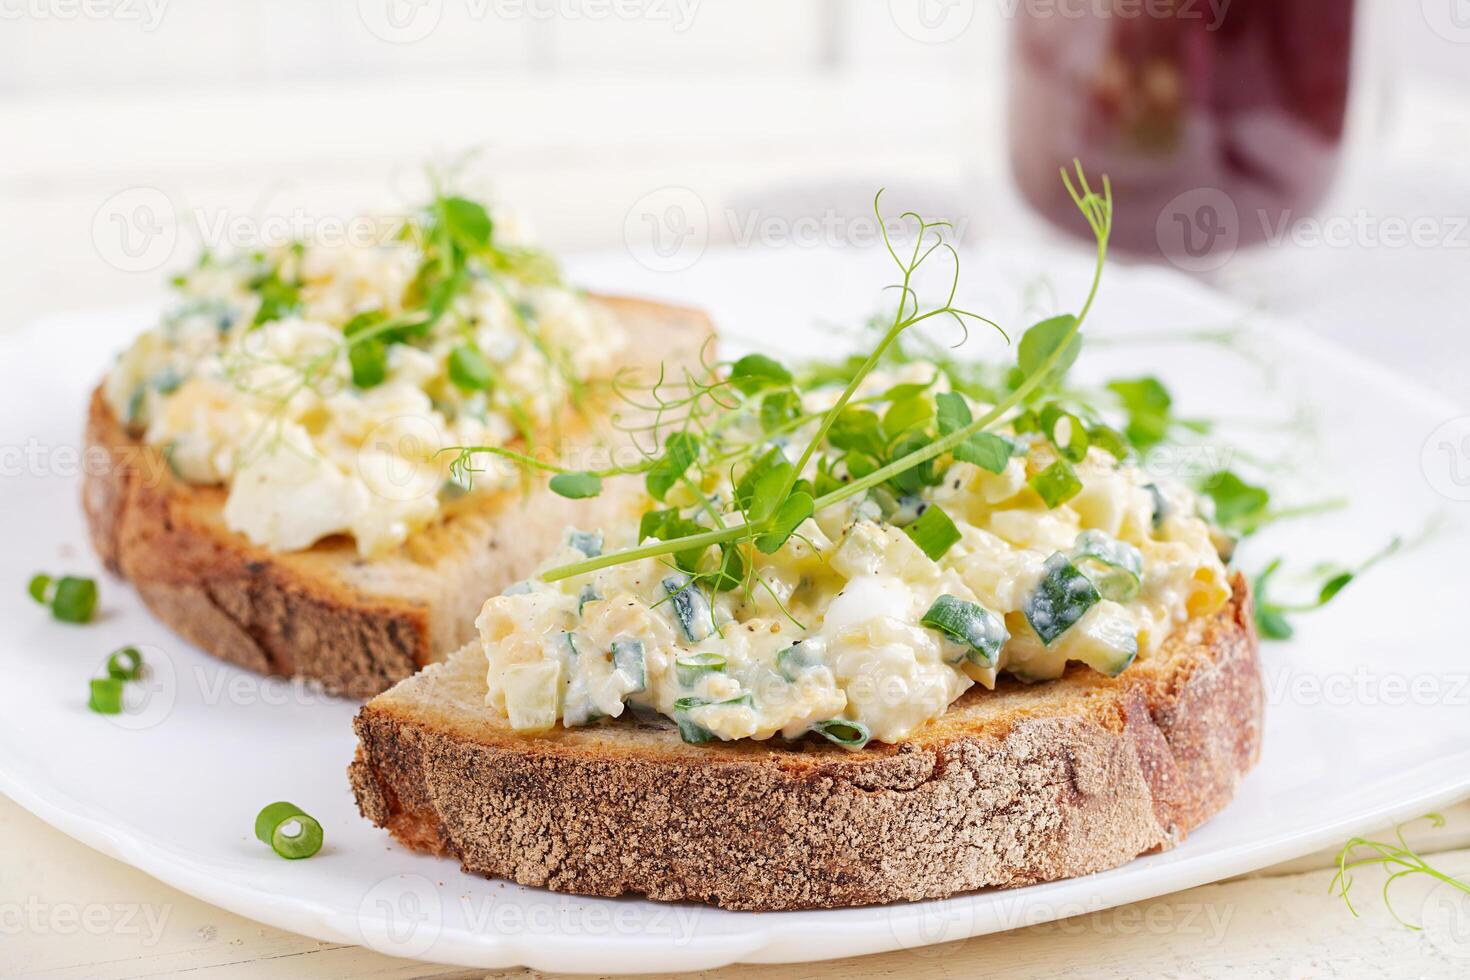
x=774 y=496
x=1396 y=857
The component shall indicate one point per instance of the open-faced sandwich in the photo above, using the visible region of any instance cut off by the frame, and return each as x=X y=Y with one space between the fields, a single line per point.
x=878 y=631
x=278 y=492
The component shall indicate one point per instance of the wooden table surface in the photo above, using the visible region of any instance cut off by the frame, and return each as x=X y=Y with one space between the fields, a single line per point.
x=66 y=911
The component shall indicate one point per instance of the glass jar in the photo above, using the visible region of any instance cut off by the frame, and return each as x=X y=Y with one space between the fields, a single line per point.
x=1216 y=120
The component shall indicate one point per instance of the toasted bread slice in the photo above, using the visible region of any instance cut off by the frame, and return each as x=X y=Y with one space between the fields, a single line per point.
x=355 y=625
x=1023 y=784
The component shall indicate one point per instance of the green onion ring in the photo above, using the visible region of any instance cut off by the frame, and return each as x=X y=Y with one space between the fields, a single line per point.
x=274 y=824
x=125 y=664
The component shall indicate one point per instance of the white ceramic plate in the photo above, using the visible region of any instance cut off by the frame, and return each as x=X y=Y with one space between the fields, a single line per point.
x=1367 y=718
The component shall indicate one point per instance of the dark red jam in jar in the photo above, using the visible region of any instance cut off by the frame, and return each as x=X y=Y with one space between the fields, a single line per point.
x=1218 y=121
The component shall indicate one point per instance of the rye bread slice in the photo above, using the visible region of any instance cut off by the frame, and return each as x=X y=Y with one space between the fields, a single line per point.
x=356 y=626
x=1025 y=784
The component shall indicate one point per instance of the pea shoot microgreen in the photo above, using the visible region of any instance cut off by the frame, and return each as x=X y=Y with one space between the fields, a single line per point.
x=1397 y=858
x=1271 y=613
x=891 y=442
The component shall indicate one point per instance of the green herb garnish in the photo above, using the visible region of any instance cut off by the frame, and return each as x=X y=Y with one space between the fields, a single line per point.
x=1271 y=613
x=71 y=598
x=1056 y=484
x=848 y=734
x=933 y=532
x=852 y=449
x=1060 y=600
x=106 y=696
x=125 y=664
x=1397 y=858
x=969 y=624
x=289 y=831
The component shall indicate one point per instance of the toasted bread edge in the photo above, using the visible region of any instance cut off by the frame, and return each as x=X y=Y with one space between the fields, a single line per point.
x=294 y=614
x=1077 y=776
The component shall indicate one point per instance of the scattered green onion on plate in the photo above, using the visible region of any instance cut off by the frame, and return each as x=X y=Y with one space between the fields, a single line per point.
x=107 y=696
x=72 y=599
x=289 y=831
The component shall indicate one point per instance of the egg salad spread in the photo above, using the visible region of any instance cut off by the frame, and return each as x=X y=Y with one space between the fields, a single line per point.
x=319 y=384
x=858 y=626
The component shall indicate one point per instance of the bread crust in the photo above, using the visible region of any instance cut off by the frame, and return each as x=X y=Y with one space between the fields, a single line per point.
x=324 y=614
x=1013 y=787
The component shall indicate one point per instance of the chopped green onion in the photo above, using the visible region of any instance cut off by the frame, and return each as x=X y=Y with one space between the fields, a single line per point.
x=694 y=666
x=848 y=734
x=289 y=831
x=125 y=664
x=933 y=532
x=107 y=696
x=692 y=733
x=1062 y=598
x=1057 y=484
x=627 y=658
x=469 y=370
x=745 y=700
x=1110 y=441
x=970 y=624
x=1115 y=567
x=1072 y=440
x=40 y=588
x=75 y=599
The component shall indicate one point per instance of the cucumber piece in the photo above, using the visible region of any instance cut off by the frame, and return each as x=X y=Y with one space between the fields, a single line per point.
x=627 y=656
x=1108 y=647
x=1061 y=598
x=969 y=624
x=531 y=695
x=1115 y=567
x=588 y=594
x=588 y=543
x=795 y=659
x=1161 y=505
x=691 y=607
